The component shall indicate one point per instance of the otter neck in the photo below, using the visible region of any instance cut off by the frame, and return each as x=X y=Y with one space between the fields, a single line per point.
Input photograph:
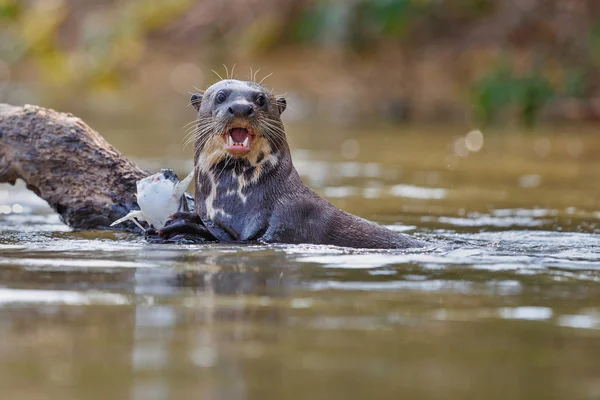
x=220 y=182
x=253 y=170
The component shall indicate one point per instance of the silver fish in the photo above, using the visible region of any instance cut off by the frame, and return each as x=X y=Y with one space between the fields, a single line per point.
x=159 y=196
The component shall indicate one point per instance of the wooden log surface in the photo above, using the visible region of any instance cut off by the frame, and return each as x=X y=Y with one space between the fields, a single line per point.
x=85 y=179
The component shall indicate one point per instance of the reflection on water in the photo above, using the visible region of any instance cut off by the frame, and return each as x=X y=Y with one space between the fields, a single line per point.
x=502 y=303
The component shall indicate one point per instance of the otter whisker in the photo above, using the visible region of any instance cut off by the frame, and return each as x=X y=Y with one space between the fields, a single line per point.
x=197 y=137
x=216 y=73
x=192 y=93
x=194 y=131
x=274 y=122
x=189 y=123
x=190 y=136
x=187 y=130
x=278 y=142
x=254 y=77
x=274 y=132
x=219 y=175
x=271 y=138
x=266 y=76
x=199 y=140
x=189 y=126
x=203 y=129
x=200 y=120
x=226 y=71
x=200 y=143
x=275 y=104
x=233 y=69
x=199 y=132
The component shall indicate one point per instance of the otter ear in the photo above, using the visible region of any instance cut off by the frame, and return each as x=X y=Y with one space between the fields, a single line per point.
x=195 y=100
x=282 y=104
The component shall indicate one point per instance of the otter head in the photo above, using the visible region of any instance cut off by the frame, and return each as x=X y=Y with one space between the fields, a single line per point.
x=237 y=119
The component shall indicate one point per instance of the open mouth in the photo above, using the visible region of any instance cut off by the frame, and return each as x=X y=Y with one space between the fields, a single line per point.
x=238 y=140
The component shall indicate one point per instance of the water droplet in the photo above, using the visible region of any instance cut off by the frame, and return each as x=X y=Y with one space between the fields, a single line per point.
x=542 y=147
x=474 y=141
x=301 y=303
x=530 y=181
x=204 y=356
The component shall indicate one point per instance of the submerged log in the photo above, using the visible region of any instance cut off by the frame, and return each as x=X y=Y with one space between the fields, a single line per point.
x=85 y=179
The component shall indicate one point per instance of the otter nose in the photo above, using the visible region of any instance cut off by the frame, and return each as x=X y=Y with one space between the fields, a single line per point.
x=241 y=110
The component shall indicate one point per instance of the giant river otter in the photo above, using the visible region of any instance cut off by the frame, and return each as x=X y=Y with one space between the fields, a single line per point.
x=247 y=188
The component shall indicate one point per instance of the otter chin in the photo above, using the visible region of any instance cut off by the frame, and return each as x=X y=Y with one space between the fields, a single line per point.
x=247 y=189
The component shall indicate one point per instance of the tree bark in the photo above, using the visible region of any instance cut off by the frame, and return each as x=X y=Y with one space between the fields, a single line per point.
x=86 y=180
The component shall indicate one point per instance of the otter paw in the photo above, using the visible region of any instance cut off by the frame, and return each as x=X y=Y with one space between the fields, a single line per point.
x=183 y=226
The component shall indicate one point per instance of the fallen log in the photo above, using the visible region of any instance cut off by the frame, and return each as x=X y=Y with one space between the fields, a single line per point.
x=65 y=162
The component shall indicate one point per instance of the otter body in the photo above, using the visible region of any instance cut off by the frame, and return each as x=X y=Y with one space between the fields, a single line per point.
x=247 y=188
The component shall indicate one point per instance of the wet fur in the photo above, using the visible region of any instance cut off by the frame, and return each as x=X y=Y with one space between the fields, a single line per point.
x=260 y=197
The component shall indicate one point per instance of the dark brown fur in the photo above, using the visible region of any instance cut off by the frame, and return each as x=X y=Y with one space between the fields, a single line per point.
x=260 y=196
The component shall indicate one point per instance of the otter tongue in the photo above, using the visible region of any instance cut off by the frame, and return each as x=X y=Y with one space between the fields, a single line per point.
x=238 y=134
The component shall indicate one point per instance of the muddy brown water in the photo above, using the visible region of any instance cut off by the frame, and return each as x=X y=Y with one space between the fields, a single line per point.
x=503 y=303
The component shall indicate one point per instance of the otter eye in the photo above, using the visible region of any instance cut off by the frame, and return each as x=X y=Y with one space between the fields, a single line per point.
x=260 y=100
x=221 y=97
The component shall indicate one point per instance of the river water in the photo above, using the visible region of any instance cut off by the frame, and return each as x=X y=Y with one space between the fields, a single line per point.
x=504 y=302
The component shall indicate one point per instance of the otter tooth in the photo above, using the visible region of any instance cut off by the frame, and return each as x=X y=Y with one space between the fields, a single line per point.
x=245 y=142
x=229 y=140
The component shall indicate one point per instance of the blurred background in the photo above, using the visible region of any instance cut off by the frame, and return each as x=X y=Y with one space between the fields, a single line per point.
x=471 y=124
x=473 y=61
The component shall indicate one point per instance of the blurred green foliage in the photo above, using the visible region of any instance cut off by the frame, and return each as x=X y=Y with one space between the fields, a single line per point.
x=9 y=9
x=502 y=91
x=533 y=92
x=391 y=18
x=107 y=42
x=362 y=24
x=494 y=92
